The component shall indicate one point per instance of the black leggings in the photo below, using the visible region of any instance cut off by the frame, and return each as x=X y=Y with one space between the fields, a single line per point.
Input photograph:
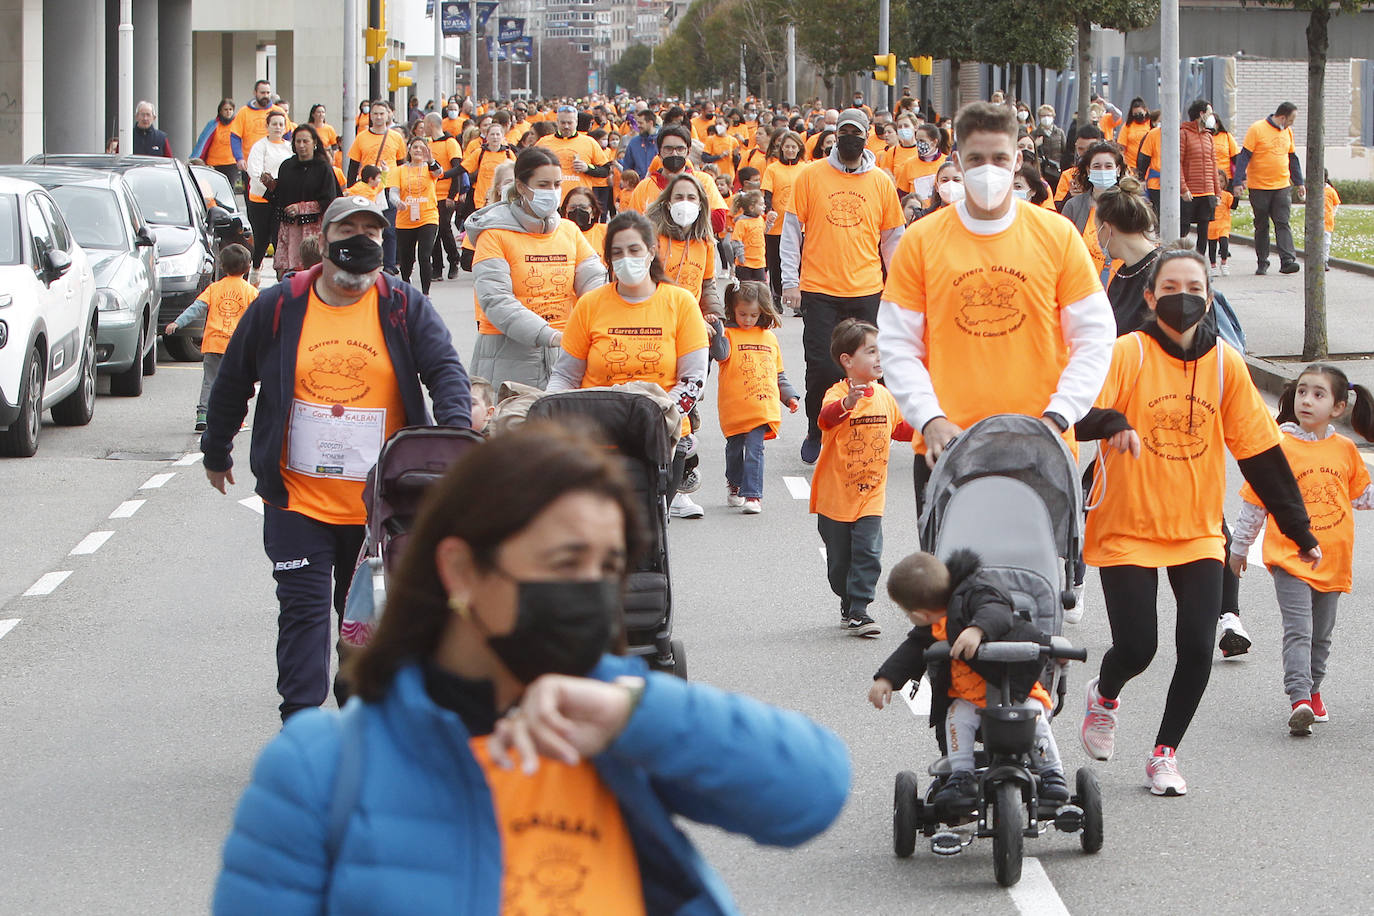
x=264 y=222
x=421 y=240
x=772 y=254
x=1220 y=246
x=1131 y=593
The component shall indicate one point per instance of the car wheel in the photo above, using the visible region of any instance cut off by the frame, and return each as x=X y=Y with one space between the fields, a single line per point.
x=77 y=408
x=150 y=358
x=129 y=383
x=183 y=349
x=21 y=439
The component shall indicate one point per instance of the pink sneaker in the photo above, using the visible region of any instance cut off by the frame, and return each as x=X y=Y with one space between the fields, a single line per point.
x=1162 y=775
x=1098 y=733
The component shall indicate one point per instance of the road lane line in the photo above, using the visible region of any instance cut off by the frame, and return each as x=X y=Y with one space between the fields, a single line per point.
x=6 y=626
x=47 y=583
x=186 y=460
x=1368 y=457
x=157 y=480
x=1255 y=557
x=127 y=508
x=91 y=543
x=920 y=703
x=799 y=487
x=253 y=502
x=1035 y=894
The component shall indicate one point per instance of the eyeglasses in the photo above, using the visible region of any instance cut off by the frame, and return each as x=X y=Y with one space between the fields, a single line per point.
x=672 y=150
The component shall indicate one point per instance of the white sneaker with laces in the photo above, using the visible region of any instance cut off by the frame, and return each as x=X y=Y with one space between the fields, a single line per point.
x=1098 y=732
x=1074 y=614
x=683 y=507
x=1162 y=775
x=1225 y=269
x=752 y=507
x=732 y=497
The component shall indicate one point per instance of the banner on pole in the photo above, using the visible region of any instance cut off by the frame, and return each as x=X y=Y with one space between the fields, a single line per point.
x=495 y=50
x=509 y=30
x=456 y=18
x=522 y=49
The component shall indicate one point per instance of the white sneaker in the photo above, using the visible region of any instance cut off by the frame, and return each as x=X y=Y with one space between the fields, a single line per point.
x=1162 y=775
x=1234 y=640
x=732 y=498
x=1074 y=614
x=1098 y=732
x=1215 y=273
x=683 y=507
x=253 y=277
x=752 y=506
x=1225 y=269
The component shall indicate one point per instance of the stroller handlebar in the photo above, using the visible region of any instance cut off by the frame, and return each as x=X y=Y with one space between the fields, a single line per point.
x=1014 y=652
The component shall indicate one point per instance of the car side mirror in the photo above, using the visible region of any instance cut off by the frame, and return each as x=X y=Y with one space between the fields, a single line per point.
x=144 y=238
x=220 y=219
x=58 y=263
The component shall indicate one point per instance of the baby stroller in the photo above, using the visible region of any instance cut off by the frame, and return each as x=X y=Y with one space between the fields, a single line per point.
x=1008 y=489
x=634 y=427
x=411 y=460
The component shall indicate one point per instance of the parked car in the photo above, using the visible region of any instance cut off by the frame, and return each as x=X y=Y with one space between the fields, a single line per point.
x=47 y=319
x=103 y=215
x=187 y=232
x=218 y=191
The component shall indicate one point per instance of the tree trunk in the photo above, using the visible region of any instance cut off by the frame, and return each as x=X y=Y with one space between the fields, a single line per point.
x=953 y=87
x=1314 y=217
x=1085 y=68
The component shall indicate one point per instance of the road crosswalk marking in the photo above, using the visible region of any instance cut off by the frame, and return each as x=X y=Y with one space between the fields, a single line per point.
x=91 y=543
x=157 y=480
x=6 y=626
x=799 y=487
x=47 y=583
x=188 y=459
x=253 y=502
x=1035 y=895
x=127 y=508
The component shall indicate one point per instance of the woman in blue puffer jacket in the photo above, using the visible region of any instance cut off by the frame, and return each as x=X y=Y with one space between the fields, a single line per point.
x=495 y=757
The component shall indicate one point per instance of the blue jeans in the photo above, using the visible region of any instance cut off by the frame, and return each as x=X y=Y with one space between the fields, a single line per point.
x=744 y=462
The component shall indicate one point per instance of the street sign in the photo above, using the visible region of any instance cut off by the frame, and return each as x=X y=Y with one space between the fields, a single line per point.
x=509 y=29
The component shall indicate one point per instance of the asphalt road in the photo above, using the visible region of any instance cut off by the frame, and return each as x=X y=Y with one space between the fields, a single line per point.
x=136 y=694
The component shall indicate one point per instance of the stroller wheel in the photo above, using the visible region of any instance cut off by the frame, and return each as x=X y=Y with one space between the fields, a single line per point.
x=1090 y=800
x=904 y=801
x=679 y=658
x=1006 y=833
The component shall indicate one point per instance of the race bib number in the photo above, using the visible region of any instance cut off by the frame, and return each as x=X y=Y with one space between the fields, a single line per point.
x=334 y=441
x=414 y=209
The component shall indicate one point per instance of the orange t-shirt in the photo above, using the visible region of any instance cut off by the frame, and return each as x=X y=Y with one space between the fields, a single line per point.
x=385 y=151
x=992 y=300
x=779 y=179
x=543 y=269
x=1149 y=146
x=1129 y=140
x=748 y=231
x=517 y=131
x=596 y=238
x=483 y=163
x=844 y=217
x=689 y=264
x=967 y=684
x=1090 y=239
x=1226 y=148
x=894 y=157
x=564 y=844
x=1330 y=473
x=362 y=188
x=723 y=146
x=1162 y=508
x=1109 y=123
x=579 y=146
x=1269 y=149
x=453 y=126
x=747 y=395
x=1064 y=189
x=916 y=176
x=850 y=481
x=756 y=158
x=444 y=150
x=346 y=404
x=218 y=150
x=419 y=205
x=1330 y=201
x=225 y=301
x=1220 y=226
x=647 y=191
x=624 y=341
x=251 y=126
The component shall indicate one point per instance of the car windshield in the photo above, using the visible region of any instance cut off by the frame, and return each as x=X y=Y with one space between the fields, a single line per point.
x=9 y=230
x=93 y=215
x=160 y=195
x=215 y=185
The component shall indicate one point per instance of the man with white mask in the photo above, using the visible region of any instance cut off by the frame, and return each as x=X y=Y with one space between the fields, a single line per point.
x=991 y=305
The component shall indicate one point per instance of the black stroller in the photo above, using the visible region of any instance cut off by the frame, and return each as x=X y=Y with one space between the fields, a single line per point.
x=635 y=427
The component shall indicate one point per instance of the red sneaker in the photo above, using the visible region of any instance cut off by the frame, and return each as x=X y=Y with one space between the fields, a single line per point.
x=1318 y=708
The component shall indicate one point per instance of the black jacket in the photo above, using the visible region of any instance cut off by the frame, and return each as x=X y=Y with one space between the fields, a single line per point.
x=151 y=142
x=299 y=181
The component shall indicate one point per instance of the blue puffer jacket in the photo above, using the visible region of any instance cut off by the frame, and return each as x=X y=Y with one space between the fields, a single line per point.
x=423 y=836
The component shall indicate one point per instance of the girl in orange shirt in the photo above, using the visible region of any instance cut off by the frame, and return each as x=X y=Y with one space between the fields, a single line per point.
x=582 y=209
x=1219 y=229
x=1190 y=397
x=685 y=242
x=748 y=232
x=1334 y=481
x=752 y=389
x=417 y=218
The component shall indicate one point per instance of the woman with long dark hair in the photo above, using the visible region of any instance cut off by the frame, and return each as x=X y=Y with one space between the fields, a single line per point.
x=306 y=185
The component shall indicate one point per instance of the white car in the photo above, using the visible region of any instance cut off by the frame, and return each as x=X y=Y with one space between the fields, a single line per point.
x=47 y=319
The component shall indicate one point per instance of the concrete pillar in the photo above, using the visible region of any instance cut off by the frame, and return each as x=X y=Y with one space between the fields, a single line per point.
x=243 y=66
x=73 y=76
x=174 y=74
x=21 y=79
x=145 y=52
x=285 y=82
x=207 y=69
x=110 y=103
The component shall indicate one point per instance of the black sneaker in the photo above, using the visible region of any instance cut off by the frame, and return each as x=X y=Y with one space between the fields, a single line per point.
x=810 y=450
x=959 y=794
x=452 y=271
x=1289 y=267
x=200 y=421
x=862 y=625
x=1053 y=788
x=1262 y=269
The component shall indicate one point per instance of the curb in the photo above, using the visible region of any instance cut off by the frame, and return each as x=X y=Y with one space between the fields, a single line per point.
x=1356 y=267
x=1270 y=376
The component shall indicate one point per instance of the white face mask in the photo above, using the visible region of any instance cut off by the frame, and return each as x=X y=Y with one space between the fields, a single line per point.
x=631 y=270
x=987 y=185
x=1021 y=193
x=1047 y=122
x=544 y=202
x=906 y=135
x=951 y=192
x=684 y=212
x=1210 y=122
x=720 y=129
x=452 y=114
x=1023 y=115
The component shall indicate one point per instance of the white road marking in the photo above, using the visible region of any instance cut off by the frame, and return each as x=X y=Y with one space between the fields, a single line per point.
x=47 y=583
x=1255 y=557
x=127 y=508
x=6 y=626
x=824 y=557
x=157 y=480
x=91 y=543
x=1035 y=894
x=799 y=487
x=253 y=502
x=919 y=704
x=186 y=460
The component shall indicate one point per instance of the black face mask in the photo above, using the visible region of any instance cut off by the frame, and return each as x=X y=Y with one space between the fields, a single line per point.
x=582 y=219
x=1138 y=116
x=560 y=628
x=674 y=164
x=1180 y=311
x=850 y=146
x=356 y=254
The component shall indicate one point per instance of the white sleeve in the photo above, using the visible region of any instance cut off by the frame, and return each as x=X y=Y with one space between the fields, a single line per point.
x=789 y=250
x=901 y=342
x=1246 y=528
x=888 y=244
x=1089 y=329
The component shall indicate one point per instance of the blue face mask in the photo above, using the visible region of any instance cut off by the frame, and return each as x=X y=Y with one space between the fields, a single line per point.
x=1102 y=179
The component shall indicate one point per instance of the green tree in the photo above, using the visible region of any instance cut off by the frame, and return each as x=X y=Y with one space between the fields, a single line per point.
x=942 y=29
x=1121 y=15
x=1017 y=32
x=840 y=37
x=628 y=72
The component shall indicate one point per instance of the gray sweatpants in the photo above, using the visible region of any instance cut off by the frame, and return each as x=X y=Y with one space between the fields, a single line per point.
x=209 y=369
x=961 y=722
x=1309 y=616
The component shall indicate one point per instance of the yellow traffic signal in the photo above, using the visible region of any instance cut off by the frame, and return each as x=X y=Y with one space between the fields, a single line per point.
x=885 y=68
x=375 y=41
x=921 y=66
x=395 y=79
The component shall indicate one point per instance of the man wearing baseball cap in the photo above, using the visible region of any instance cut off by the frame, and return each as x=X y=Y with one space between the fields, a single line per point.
x=339 y=352
x=846 y=209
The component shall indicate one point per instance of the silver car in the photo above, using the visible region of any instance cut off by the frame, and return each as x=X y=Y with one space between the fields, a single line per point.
x=104 y=216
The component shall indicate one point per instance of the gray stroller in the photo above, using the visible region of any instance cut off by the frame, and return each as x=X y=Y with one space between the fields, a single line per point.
x=1008 y=489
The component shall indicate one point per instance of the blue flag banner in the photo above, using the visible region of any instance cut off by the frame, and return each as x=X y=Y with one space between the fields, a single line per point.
x=456 y=18
x=509 y=30
x=522 y=49
x=495 y=50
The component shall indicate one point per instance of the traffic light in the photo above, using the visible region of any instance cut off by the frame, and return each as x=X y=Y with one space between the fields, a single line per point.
x=375 y=40
x=885 y=68
x=395 y=79
x=921 y=66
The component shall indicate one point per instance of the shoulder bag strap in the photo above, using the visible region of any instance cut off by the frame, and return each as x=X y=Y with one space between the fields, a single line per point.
x=348 y=779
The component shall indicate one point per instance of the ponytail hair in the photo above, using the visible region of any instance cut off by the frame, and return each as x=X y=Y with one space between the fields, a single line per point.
x=1361 y=415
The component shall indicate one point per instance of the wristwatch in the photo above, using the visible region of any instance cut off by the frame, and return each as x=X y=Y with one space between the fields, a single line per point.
x=1057 y=419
